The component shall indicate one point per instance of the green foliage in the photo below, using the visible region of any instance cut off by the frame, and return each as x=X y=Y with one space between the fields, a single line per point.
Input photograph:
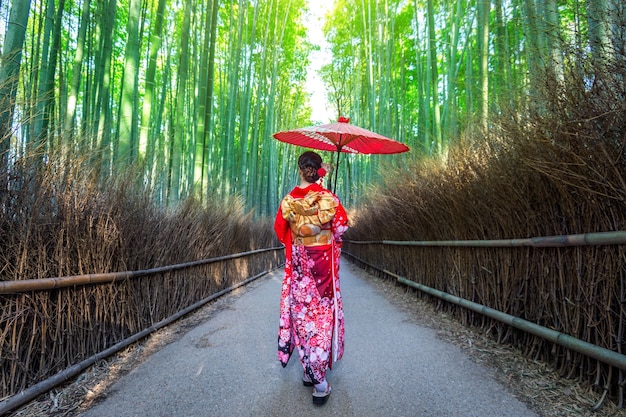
x=245 y=70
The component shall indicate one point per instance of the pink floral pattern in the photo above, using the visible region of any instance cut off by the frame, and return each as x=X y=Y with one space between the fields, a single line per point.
x=311 y=307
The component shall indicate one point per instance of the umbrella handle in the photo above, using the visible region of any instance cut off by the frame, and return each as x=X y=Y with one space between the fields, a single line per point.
x=337 y=169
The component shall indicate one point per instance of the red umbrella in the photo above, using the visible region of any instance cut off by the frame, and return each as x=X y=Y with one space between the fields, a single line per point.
x=341 y=136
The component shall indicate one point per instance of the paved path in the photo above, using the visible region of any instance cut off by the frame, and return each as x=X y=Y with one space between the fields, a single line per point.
x=227 y=366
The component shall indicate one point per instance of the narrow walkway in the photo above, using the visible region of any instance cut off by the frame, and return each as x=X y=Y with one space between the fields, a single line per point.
x=227 y=366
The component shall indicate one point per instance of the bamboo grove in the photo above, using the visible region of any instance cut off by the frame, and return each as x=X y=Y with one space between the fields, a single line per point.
x=191 y=91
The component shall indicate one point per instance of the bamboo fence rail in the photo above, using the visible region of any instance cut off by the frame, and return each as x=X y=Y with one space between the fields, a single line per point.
x=18 y=286
x=601 y=238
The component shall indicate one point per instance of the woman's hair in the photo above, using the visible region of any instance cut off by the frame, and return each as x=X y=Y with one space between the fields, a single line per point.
x=309 y=162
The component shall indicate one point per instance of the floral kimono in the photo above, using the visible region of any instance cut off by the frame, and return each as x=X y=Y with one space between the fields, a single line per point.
x=310 y=222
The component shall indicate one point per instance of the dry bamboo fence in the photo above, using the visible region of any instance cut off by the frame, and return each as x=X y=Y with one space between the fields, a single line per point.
x=61 y=218
x=551 y=166
x=575 y=285
x=49 y=325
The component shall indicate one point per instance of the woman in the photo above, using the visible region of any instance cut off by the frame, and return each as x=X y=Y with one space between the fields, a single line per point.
x=310 y=222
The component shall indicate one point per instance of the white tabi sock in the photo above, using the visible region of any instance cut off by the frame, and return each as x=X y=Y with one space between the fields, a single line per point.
x=322 y=386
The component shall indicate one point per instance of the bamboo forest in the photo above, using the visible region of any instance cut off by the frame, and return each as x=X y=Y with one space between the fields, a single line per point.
x=189 y=93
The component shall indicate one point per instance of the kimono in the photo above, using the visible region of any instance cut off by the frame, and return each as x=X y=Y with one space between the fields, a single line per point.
x=310 y=222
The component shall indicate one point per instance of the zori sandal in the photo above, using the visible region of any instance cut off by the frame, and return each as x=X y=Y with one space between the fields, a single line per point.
x=320 y=398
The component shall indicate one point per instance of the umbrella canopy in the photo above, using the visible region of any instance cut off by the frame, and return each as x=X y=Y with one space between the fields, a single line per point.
x=341 y=136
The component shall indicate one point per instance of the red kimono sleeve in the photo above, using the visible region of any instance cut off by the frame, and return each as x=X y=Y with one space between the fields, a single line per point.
x=281 y=227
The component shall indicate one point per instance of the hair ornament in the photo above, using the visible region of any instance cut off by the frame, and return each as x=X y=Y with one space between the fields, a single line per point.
x=321 y=172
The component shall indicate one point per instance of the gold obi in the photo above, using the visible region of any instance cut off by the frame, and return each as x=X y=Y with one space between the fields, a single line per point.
x=310 y=218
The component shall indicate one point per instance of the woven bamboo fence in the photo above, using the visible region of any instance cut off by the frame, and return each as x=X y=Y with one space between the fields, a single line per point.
x=569 y=289
x=60 y=220
x=47 y=330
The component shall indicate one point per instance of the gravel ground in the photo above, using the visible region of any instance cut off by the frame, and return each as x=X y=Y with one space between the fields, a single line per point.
x=533 y=383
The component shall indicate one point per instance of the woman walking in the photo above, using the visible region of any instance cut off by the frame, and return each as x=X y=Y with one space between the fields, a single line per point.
x=310 y=222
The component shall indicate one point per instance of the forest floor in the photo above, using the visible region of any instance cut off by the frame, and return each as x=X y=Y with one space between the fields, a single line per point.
x=532 y=382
